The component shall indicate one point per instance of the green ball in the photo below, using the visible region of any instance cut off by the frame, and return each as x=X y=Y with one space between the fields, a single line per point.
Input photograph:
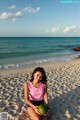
x=42 y=109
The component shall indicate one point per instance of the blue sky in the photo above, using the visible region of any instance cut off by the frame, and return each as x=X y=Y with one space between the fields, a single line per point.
x=26 y=18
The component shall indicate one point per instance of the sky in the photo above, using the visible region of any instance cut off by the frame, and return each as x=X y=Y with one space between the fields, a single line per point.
x=39 y=18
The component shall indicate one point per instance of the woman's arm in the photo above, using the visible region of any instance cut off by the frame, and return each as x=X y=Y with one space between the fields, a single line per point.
x=46 y=95
x=26 y=95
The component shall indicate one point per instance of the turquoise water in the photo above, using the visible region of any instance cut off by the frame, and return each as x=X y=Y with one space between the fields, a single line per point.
x=27 y=51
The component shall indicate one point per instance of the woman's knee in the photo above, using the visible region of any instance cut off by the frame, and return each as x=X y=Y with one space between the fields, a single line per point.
x=32 y=114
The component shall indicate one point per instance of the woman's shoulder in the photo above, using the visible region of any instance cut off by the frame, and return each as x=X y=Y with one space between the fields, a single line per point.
x=27 y=82
x=45 y=85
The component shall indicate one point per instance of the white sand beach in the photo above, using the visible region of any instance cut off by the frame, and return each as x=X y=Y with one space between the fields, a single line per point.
x=63 y=82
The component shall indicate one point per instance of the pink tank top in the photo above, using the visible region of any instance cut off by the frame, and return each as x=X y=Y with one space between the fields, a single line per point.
x=36 y=93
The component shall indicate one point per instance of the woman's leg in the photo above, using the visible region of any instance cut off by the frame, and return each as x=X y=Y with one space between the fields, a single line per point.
x=33 y=114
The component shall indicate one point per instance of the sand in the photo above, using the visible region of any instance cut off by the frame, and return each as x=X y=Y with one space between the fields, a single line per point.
x=63 y=82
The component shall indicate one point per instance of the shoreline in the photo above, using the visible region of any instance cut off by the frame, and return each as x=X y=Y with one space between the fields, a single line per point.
x=20 y=71
x=35 y=62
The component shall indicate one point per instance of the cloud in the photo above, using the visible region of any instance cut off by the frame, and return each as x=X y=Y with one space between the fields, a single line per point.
x=10 y=15
x=70 y=29
x=18 y=14
x=54 y=30
x=11 y=7
x=31 y=10
x=5 y=15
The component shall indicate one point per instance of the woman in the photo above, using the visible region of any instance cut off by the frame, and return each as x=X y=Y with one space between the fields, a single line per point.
x=35 y=92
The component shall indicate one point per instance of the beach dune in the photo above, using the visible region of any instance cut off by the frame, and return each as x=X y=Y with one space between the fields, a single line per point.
x=63 y=82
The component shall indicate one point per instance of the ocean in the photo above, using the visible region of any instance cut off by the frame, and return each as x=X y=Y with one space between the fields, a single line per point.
x=20 y=52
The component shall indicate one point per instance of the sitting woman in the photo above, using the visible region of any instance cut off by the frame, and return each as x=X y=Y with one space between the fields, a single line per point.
x=35 y=93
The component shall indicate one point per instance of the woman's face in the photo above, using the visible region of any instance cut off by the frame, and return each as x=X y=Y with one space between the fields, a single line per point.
x=38 y=76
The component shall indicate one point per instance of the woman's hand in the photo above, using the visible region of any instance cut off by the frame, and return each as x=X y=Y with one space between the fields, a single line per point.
x=48 y=108
x=36 y=109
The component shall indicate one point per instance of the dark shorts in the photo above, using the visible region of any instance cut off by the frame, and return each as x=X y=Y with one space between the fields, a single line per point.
x=37 y=103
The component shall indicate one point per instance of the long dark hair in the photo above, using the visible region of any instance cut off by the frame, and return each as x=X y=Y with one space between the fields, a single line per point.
x=39 y=69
